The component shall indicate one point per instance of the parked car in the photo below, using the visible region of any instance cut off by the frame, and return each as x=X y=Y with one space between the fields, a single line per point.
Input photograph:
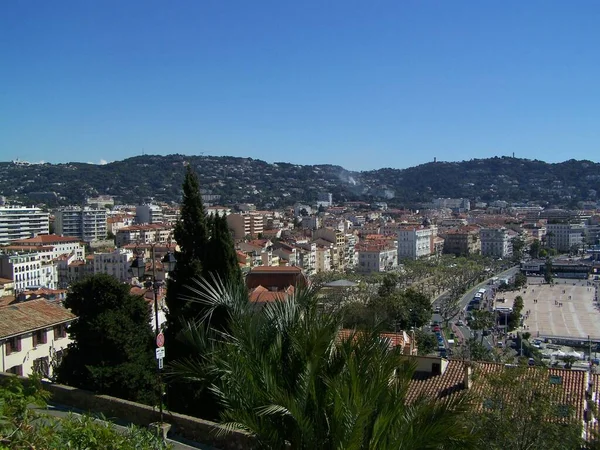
x=436 y=328
x=460 y=323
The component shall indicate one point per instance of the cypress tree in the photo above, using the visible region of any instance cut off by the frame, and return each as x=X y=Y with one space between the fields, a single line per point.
x=205 y=247
x=223 y=259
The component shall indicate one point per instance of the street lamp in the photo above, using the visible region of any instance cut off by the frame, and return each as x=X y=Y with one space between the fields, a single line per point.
x=138 y=268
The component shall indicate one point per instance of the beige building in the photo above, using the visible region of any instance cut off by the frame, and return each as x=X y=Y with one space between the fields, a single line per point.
x=243 y=225
x=144 y=234
x=33 y=335
x=463 y=241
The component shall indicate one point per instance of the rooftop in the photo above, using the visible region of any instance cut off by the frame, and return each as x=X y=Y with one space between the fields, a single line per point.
x=31 y=315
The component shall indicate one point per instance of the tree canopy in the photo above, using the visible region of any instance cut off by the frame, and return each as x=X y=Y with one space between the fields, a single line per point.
x=112 y=349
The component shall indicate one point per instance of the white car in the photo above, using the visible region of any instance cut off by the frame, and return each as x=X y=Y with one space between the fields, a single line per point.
x=460 y=323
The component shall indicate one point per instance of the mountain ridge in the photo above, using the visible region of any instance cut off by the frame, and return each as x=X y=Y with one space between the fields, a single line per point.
x=238 y=179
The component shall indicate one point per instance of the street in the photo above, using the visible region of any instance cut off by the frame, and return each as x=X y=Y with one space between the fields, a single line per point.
x=464 y=302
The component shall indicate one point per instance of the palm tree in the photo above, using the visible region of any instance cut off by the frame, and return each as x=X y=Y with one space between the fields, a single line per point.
x=283 y=374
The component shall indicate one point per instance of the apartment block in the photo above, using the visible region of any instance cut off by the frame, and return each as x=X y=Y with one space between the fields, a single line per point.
x=242 y=225
x=86 y=224
x=116 y=263
x=144 y=234
x=495 y=242
x=415 y=242
x=463 y=241
x=564 y=236
x=376 y=257
x=147 y=214
x=20 y=222
x=28 y=269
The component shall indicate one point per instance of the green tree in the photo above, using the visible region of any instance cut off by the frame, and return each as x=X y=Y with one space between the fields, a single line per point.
x=548 y=271
x=284 y=374
x=520 y=280
x=534 y=249
x=481 y=321
x=112 y=349
x=523 y=409
x=223 y=261
x=426 y=342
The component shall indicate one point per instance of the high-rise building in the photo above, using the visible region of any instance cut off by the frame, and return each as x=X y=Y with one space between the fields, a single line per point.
x=565 y=236
x=86 y=224
x=20 y=222
x=495 y=242
x=147 y=214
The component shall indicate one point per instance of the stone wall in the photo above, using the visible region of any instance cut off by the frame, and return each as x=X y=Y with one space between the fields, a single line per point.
x=192 y=428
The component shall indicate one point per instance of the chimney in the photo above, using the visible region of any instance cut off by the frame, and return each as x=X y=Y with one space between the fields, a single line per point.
x=468 y=376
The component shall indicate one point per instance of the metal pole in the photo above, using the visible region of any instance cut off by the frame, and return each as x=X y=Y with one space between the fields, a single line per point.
x=155 y=288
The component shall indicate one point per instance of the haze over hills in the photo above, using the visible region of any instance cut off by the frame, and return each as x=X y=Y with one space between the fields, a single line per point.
x=137 y=179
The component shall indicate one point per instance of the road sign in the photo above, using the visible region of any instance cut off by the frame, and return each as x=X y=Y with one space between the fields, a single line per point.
x=160 y=340
x=160 y=353
x=160 y=363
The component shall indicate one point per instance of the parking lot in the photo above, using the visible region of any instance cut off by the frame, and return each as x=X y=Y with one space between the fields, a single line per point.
x=566 y=308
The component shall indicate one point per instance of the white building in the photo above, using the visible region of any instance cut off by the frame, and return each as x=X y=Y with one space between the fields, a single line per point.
x=20 y=222
x=145 y=214
x=415 y=242
x=56 y=245
x=144 y=234
x=29 y=269
x=376 y=258
x=452 y=203
x=564 y=236
x=116 y=264
x=33 y=336
x=86 y=224
x=495 y=242
x=243 y=225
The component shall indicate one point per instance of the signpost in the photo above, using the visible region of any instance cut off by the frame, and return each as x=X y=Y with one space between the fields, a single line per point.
x=160 y=340
x=160 y=353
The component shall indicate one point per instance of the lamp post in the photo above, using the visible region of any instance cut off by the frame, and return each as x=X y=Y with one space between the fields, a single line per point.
x=138 y=268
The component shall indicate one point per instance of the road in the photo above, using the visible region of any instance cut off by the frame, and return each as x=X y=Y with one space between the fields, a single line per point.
x=464 y=302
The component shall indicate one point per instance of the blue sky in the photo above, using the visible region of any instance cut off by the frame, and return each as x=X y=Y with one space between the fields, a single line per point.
x=364 y=84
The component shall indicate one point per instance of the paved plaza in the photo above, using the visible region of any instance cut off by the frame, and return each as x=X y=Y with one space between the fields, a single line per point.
x=579 y=315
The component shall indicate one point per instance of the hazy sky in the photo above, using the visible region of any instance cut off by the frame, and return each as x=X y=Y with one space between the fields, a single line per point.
x=364 y=84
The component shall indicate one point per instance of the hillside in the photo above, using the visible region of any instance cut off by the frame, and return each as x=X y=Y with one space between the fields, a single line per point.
x=250 y=180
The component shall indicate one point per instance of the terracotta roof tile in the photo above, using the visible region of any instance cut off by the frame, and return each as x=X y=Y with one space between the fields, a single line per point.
x=19 y=318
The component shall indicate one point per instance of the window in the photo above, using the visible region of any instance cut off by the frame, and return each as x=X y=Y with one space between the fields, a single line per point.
x=13 y=345
x=39 y=337
x=60 y=331
x=16 y=370
x=555 y=379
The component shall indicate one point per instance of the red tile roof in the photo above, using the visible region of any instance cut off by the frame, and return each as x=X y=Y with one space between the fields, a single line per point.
x=20 y=318
x=46 y=239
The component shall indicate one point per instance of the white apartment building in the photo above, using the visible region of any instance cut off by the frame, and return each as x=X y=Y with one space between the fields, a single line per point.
x=376 y=258
x=323 y=258
x=33 y=336
x=414 y=242
x=564 y=236
x=29 y=269
x=86 y=224
x=145 y=214
x=56 y=245
x=350 y=253
x=495 y=242
x=20 y=222
x=243 y=225
x=116 y=263
x=307 y=256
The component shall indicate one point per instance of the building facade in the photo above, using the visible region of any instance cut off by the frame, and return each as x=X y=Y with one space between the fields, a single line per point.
x=376 y=258
x=495 y=242
x=243 y=225
x=565 y=236
x=20 y=222
x=86 y=224
x=28 y=269
x=414 y=243
x=145 y=214
x=463 y=241
x=33 y=336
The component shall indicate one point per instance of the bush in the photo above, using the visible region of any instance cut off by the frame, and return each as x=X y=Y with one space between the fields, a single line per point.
x=21 y=427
